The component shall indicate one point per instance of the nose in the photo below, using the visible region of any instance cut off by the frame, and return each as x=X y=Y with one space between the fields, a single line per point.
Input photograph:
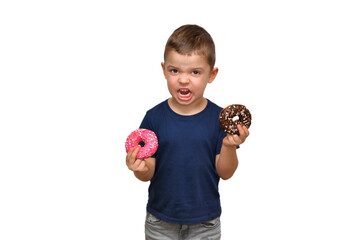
x=183 y=79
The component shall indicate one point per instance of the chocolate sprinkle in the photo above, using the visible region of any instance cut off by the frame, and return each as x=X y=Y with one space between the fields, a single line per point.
x=233 y=115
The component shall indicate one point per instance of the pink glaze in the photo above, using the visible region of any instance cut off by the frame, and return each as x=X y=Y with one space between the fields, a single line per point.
x=142 y=135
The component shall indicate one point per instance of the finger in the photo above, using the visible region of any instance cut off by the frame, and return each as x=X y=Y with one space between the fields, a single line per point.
x=243 y=133
x=135 y=152
x=237 y=139
x=231 y=139
x=240 y=128
x=141 y=165
x=246 y=130
x=136 y=164
x=128 y=158
x=132 y=156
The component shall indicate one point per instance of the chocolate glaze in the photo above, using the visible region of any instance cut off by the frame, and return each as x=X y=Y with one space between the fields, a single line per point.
x=233 y=115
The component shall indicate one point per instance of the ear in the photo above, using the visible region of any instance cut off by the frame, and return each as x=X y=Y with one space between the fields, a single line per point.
x=163 y=67
x=213 y=75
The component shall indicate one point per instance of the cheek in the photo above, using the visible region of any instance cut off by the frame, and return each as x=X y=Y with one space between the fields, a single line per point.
x=171 y=84
x=200 y=86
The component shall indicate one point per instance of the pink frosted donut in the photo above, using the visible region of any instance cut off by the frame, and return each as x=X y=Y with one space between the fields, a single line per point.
x=142 y=135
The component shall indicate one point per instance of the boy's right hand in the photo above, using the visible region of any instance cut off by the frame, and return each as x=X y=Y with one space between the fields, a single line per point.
x=134 y=164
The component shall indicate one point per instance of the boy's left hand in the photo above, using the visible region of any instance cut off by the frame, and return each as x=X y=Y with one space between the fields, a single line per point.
x=235 y=140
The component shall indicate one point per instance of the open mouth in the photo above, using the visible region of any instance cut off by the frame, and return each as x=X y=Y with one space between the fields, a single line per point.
x=184 y=94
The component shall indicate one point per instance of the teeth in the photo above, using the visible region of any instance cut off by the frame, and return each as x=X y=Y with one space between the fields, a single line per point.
x=184 y=91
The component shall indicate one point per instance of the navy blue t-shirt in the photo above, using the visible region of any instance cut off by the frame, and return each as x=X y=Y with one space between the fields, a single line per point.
x=184 y=188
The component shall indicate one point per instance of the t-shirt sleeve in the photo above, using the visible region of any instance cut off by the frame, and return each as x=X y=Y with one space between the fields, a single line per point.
x=221 y=136
x=146 y=123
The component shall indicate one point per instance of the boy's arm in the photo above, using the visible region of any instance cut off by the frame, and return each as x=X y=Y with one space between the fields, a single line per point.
x=143 y=168
x=227 y=160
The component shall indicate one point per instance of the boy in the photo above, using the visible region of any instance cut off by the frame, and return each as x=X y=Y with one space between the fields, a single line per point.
x=193 y=151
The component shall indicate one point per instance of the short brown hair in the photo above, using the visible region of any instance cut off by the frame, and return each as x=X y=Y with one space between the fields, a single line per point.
x=189 y=39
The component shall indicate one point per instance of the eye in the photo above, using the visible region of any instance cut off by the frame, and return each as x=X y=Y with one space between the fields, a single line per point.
x=195 y=72
x=173 y=71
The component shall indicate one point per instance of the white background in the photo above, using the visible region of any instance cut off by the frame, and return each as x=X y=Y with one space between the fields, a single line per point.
x=78 y=76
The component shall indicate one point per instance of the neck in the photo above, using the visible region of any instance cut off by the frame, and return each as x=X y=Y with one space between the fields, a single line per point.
x=188 y=110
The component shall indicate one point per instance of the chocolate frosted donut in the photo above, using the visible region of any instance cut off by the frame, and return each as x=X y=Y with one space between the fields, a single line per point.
x=233 y=115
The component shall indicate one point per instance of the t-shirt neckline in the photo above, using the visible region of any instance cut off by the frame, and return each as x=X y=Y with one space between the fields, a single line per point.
x=177 y=115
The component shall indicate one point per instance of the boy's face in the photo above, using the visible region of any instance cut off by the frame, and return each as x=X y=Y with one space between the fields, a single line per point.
x=187 y=77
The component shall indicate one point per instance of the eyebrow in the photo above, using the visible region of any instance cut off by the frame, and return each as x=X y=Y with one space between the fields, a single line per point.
x=171 y=66
x=193 y=68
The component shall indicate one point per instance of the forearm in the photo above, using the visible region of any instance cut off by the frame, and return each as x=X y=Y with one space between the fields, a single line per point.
x=147 y=172
x=227 y=162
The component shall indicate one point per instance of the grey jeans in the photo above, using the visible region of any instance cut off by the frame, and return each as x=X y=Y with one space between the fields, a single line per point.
x=156 y=229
